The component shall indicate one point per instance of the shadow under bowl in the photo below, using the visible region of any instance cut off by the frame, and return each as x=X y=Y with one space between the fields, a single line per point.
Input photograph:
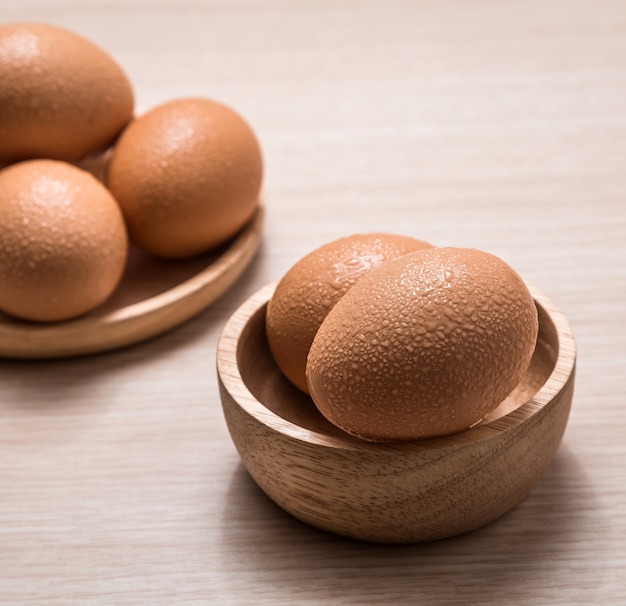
x=407 y=492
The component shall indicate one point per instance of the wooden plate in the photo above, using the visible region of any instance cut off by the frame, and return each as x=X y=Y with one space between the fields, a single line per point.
x=154 y=295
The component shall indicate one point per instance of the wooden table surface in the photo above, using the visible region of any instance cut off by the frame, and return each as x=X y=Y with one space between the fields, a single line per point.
x=498 y=125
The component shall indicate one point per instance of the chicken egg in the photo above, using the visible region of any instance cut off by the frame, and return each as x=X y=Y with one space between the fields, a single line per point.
x=311 y=287
x=61 y=96
x=63 y=242
x=187 y=175
x=423 y=346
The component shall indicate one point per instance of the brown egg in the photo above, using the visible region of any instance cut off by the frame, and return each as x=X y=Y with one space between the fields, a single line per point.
x=423 y=346
x=310 y=289
x=187 y=175
x=63 y=242
x=61 y=96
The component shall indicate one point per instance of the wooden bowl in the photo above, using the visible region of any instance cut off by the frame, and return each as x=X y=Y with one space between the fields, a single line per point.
x=391 y=493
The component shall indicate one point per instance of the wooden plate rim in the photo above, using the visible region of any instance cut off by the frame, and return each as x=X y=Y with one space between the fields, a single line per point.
x=140 y=320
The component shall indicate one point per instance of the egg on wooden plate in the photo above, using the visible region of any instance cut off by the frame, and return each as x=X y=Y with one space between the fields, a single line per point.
x=187 y=175
x=61 y=96
x=63 y=241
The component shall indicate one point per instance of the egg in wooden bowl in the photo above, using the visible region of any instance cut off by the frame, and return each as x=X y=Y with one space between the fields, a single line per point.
x=404 y=491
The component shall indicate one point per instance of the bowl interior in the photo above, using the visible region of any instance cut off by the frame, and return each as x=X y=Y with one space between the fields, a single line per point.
x=269 y=386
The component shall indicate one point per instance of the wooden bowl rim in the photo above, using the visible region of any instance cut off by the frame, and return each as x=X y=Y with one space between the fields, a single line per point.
x=230 y=376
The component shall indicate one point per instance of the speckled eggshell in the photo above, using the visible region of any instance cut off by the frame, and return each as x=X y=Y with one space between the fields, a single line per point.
x=187 y=175
x=311 y=287
x=61 y=96
x=63 y=241
x=423 y=346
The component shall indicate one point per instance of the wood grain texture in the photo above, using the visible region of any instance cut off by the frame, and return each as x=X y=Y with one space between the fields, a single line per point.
x=500 y=125
x=391 y=493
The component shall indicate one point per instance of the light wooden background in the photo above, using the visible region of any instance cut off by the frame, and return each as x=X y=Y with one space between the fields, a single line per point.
x=494 y=124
